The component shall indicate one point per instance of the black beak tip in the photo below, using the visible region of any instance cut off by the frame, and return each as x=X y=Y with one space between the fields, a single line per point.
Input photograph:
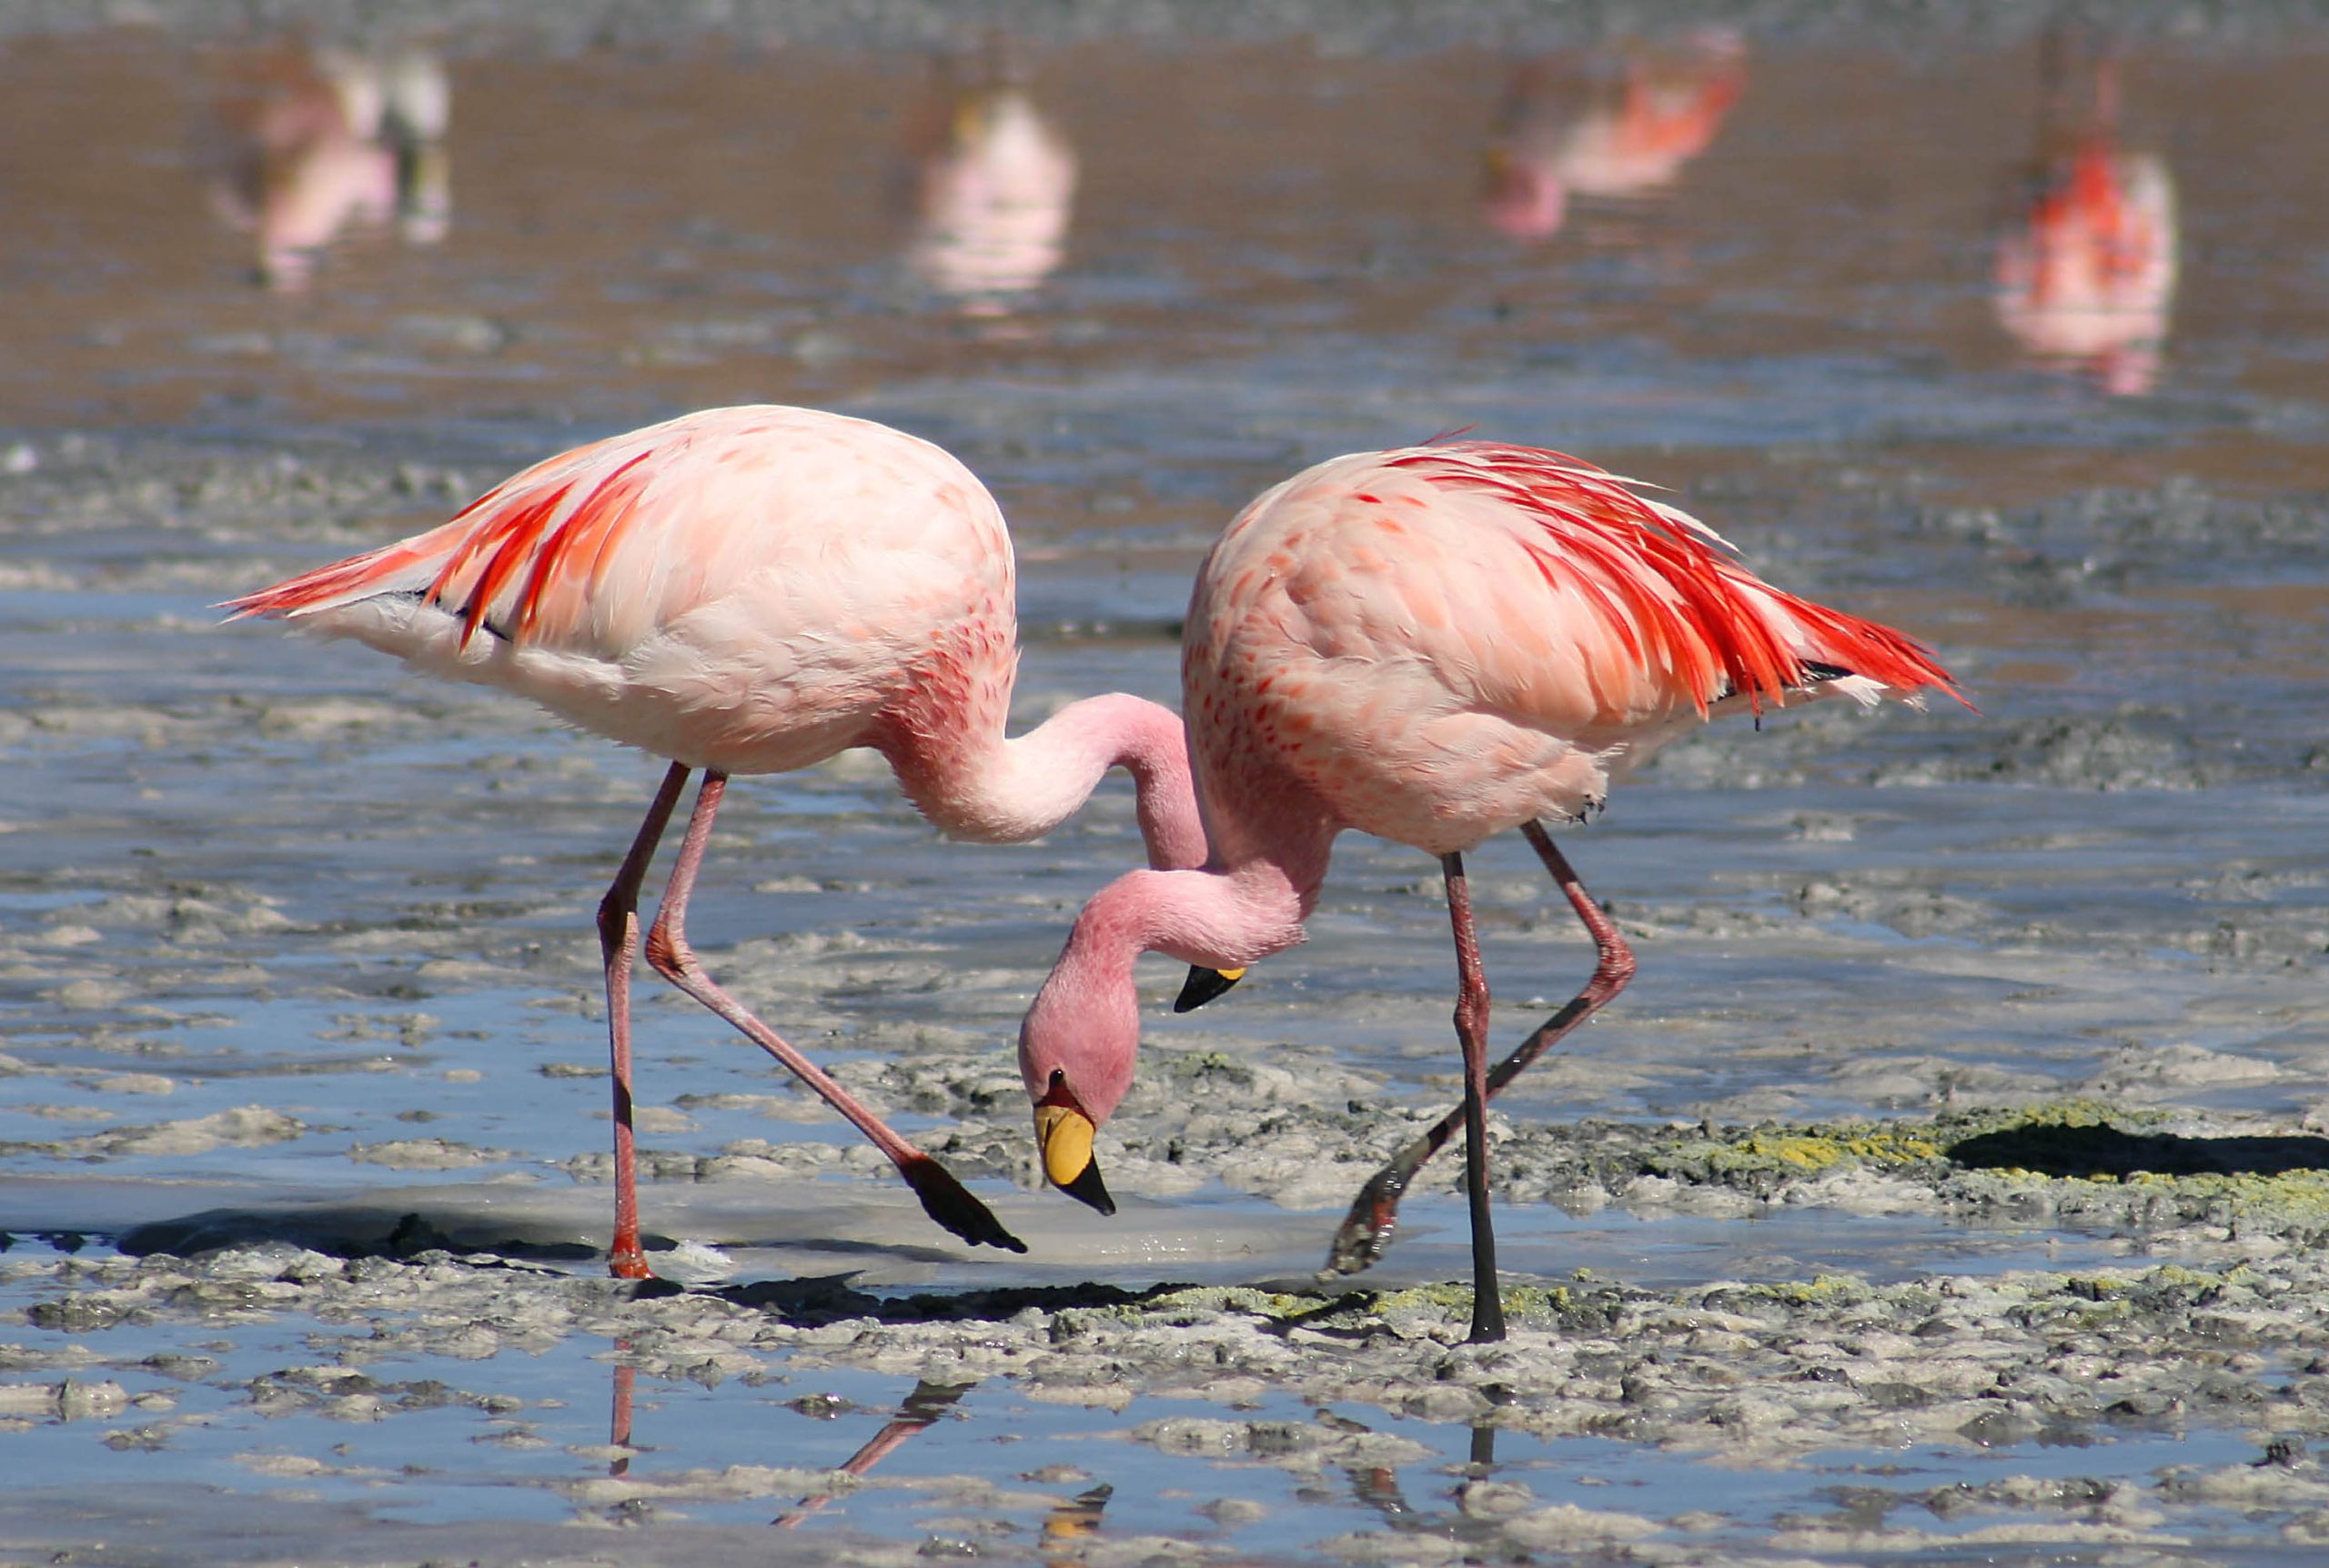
x=1202 y=986
x=1089 y=1188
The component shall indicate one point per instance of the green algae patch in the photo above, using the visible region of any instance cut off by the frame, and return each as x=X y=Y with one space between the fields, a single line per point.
x=1822 y=1150
x=2076 y=1113
x=1824 y=1292
x=2095 y=1287
x=1456 y=1295
x=2128 y=1169
x=2079 y=1160
x=2294 y=1198
x=1196 y=1303
x=1762 y=1159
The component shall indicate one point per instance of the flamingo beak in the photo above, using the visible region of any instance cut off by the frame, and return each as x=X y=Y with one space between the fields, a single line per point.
x=1203 y=985
x=1065 y=1135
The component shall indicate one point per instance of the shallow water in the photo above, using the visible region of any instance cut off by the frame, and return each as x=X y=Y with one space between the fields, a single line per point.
x=281 y=927
x=525 y=1439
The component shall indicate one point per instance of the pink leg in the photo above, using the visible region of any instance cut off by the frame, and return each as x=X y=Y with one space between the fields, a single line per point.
x=943 y=1199
x=1366 y=1230
x=617 y=939
x=1472 y=1033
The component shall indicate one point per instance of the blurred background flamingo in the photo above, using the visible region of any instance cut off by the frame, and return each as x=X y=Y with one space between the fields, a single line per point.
x=1625 y=130
x=995 y=190
x=1433 y=645
x=2086 y=274
x=752 y=590
x=318 y=143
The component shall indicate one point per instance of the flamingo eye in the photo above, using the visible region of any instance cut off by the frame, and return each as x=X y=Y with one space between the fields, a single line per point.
x=1057 y=1092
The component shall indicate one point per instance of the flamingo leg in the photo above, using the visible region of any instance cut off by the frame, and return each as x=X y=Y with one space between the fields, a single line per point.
x=1366 y=1230
x=617 y=940
x=1472 y=1032
x=943 y=1199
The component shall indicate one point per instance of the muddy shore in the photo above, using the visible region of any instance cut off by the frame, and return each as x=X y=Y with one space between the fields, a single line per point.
x=2205 y=1315
x=1950 y=1185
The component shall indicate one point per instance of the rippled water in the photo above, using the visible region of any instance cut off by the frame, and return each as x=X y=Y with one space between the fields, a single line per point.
x=1792 y=280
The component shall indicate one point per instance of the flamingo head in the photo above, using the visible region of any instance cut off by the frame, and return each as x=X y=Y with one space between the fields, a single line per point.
x=1076 y=1049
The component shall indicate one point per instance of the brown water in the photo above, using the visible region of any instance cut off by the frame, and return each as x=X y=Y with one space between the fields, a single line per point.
x=246 y=872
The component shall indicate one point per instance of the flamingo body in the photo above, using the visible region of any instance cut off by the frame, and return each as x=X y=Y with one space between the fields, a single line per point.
x=1432 y=645
x=745 y=590
x=1439 y=644
x=322 y=142
x=750 y=591
x=1634 y=133
x=996 y=200
x=2090 y=277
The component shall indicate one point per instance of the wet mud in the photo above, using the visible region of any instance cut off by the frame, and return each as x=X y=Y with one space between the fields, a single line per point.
x=2202 y=1315
x=1950 y=1184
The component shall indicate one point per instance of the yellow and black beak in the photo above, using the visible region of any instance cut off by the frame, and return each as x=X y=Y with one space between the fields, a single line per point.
x=1203 y=985
x=1064 y=1134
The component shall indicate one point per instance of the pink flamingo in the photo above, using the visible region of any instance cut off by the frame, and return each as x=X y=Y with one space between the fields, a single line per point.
x=2087 y=278
x=1632 y=135
x=750 y=591
x=308 y=161
x=995 y=202
x=1431 y=645
x=323 y=142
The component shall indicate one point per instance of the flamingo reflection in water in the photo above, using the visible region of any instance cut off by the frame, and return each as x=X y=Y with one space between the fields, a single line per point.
x=922 y=1409
x=319 y=143
x=1377 y=1486
x=2086 y=274
x=1070 y=1523
x=1067 y=1528
x=1627 y=131
x=996 y=187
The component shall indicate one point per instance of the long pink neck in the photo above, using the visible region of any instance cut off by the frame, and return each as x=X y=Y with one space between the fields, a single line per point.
x=973 y=784
x=1086 y=1020
x=1268 y=860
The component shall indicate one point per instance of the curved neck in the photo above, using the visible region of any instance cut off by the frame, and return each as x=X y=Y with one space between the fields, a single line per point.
x=981 y=787
x=1221 y=919
x=1084 y=1023
x=1269 y=849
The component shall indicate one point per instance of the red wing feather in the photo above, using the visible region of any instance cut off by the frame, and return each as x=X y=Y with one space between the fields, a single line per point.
x=1663 y=587
x=499 y=539
x=324 y=584
x=585 y=534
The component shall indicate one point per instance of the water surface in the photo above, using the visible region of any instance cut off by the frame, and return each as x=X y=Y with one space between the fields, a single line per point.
x=282 y=923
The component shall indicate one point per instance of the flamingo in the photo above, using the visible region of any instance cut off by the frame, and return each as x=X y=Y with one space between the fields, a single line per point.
x=1432 y=645
x=996 y=197
x=752 y=590
x=325 y=142
x=308 y=161
x=2087 y=277
x=1634 y=133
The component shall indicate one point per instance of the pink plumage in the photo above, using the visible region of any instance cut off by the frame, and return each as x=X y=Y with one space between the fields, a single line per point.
x=750 y=591
x=1440 y=643
x=742 y=589
x=1433 y=645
